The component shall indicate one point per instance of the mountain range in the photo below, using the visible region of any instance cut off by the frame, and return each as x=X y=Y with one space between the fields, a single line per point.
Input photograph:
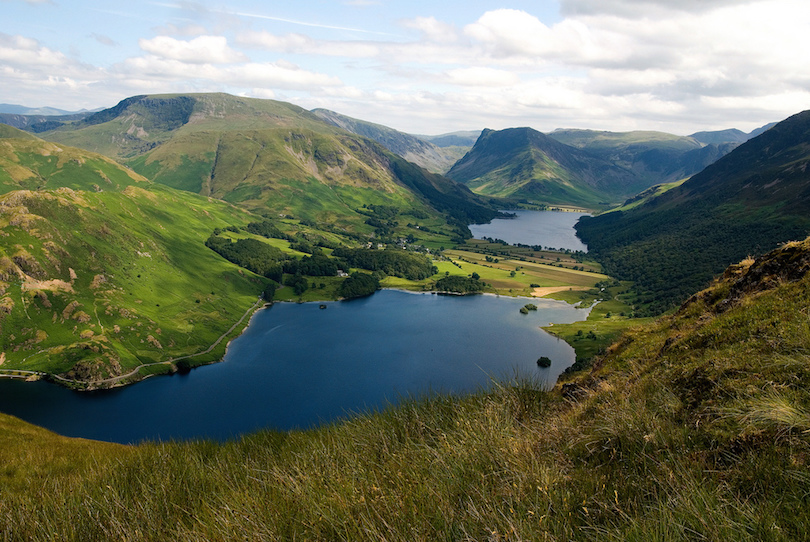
x=271 y=157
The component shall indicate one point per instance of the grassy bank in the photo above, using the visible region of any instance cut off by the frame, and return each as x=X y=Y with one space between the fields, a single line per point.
x=694 y=427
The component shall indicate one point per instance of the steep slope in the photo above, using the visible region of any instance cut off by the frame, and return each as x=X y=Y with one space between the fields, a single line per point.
x=411 y=148
x=696 y=427
x=522 y=163
x=745 y=203
x=92 y=285
x=27 y=162
x=656 y=157
x=271 y=157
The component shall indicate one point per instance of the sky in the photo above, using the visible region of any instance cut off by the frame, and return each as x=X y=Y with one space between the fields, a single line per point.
x=426 y=67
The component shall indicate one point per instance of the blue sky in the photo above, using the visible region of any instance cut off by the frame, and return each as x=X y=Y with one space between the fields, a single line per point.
x=427 y=67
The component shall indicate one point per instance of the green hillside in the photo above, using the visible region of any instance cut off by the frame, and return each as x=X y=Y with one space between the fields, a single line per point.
x=521 y=163
x=92 y=285
x=745 y=203
x=696 y=427
x=271 y=157
x=29 y=163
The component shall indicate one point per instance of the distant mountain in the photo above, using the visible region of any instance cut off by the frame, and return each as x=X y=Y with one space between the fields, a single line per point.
x=721 y=136
x=654 y=157
x=412 y=148
x=747 y=202
x=269 y=156
x=729 y=136
x=453 y=139
x=23 y=110
x=39 y=123
x=102 y=270
x=522 y=163
x=758 y=131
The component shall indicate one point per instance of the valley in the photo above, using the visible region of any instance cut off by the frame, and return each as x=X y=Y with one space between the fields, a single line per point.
x=403 y=271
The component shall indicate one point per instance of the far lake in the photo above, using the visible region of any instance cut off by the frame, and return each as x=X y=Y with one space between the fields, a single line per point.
x=298 y=365
x=554 y=229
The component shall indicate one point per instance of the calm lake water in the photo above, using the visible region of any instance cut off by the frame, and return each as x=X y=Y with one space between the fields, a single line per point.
x=297 y=366
x=553 y=229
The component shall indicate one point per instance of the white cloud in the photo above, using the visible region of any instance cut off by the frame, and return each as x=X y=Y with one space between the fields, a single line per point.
x=200 y=50
x=639 y=9
x=26 y=52
x=432 y=29
x=481 y=77
x=301 y=44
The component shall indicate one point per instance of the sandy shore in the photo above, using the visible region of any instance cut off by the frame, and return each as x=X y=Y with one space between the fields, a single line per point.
x=540 y=292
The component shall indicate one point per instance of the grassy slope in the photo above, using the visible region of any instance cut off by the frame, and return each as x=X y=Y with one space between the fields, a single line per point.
x=97 y=283
x=29 y=163
x=695 y=427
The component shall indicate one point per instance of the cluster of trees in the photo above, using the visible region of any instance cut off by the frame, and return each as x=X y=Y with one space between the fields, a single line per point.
x=251 y=254
x=298 y=283
x=671 y=254
x=399 y=263
x=267 y=229
x=459 y=285
x=317 y=265
x=358 y=285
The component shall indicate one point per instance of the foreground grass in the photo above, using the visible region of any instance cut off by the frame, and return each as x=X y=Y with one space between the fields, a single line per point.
x=695 y=427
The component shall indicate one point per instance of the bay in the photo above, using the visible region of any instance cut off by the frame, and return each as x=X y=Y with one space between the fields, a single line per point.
x=298 y=366
x=553 y=229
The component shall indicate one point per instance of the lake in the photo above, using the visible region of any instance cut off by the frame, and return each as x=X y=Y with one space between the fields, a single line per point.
x=554 y=229
x=297 y=366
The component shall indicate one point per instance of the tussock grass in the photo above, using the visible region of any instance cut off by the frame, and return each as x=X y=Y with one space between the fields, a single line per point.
x=691 y=428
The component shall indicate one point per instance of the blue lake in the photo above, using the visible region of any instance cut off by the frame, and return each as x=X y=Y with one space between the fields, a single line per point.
x=554 y=229
x=297 y=366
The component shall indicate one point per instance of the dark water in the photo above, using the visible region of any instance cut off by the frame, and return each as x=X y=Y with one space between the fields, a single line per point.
x=297 y=366
x=552 y=229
